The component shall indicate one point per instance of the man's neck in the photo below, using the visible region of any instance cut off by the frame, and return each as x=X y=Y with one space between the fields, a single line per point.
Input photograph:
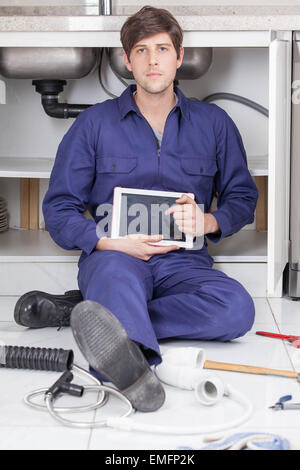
x=155 y=104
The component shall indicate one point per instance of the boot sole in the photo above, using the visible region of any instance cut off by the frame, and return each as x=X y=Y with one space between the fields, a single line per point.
x=108 y=349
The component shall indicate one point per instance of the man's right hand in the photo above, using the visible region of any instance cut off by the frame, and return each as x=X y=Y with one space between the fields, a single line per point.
x=137 y=245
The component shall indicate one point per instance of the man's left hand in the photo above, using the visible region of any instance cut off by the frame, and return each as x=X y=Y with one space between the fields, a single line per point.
x=190 y=219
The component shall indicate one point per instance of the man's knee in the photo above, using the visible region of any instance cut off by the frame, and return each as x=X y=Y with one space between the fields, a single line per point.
x=240 y=311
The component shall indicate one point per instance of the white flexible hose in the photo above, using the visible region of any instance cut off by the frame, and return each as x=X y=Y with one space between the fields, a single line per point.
x=127 y=424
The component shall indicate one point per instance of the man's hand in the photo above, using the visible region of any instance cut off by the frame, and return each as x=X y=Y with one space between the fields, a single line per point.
x=191 y=219
x=136 y=245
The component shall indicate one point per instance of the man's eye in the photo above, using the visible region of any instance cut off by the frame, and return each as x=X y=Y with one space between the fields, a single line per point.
x=141 y=50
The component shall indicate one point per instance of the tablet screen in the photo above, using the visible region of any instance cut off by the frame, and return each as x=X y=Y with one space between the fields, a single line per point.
x=146 y=214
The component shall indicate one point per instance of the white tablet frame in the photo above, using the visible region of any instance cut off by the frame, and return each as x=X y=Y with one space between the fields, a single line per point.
x=116 y=211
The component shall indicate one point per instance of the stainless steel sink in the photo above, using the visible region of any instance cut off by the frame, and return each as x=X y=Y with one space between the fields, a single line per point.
x=47 y=62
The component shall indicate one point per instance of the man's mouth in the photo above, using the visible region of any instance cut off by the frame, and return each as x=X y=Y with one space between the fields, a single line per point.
x=153 y=74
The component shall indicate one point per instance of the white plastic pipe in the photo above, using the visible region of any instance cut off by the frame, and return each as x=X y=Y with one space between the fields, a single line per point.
x=183 y=368
x=192 y=357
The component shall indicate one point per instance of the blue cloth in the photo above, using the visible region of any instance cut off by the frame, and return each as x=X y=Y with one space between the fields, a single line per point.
x=175 y=295
x=249 y=441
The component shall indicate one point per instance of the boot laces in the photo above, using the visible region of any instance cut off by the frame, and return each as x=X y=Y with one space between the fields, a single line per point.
x=64 y=317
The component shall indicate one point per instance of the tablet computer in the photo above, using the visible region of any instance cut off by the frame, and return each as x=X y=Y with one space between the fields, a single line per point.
x=142 y=211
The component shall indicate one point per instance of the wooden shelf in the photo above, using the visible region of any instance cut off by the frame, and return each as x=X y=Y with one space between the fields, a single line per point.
x=23 y=167
x=244 y=246
x=37 y=245
x=19 y=167
x=258 y=165
x=32 y=246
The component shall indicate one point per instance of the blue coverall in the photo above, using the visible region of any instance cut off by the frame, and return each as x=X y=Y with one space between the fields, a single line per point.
x=177 y=295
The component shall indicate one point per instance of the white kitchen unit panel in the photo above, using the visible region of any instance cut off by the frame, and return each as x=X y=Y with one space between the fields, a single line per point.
x=279 y=160
x=57 y=277
x=53 y=277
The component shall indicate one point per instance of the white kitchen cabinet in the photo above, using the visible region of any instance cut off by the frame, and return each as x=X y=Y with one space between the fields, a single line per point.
x=30 y=260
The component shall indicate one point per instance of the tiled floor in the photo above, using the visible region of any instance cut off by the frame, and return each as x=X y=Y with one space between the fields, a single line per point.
x=24 y=428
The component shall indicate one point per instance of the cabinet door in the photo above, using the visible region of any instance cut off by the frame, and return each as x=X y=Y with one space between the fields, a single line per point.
x=279 y=161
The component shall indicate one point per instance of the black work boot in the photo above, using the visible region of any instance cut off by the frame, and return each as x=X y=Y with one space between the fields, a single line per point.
x=38 y=309
x=106 y=346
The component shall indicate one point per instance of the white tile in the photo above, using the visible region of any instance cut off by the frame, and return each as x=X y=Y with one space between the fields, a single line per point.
x=286 y=311
x=24 y=428
x=287 y=315
x=181 y=410
x=21 y=382
x=7 y=305
x=48 y=438
x=263 y=312
x=18 y=383
x=11 y=333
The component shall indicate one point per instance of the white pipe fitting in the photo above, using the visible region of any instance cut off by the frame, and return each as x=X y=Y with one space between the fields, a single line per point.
x=209 y=389
x=192 y=357
x=183 y=368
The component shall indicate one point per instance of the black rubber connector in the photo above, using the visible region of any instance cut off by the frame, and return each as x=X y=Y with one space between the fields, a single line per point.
x=50 y=359
x=64 y=385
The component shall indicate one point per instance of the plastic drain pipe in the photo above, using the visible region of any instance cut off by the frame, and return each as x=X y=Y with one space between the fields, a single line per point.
x=183 y=368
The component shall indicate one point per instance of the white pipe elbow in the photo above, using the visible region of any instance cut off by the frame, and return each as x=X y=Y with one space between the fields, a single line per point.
x=183 y=368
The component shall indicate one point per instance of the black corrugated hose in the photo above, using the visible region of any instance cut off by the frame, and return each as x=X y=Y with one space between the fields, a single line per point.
x=49 y=359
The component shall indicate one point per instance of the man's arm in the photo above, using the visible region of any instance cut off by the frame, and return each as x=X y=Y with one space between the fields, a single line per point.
x=69 y=188
x=210 y=224
x=236 y=190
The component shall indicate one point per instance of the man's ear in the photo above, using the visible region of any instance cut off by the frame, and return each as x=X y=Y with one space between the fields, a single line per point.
x=181 y=54
x=127 y=61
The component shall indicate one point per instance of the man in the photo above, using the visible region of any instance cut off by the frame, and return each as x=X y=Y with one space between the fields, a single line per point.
x=151 y=137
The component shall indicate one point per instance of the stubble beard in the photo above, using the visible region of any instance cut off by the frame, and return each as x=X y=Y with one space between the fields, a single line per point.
x=154 y=90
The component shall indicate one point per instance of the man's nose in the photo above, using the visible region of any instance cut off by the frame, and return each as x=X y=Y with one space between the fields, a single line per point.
x=153 y=59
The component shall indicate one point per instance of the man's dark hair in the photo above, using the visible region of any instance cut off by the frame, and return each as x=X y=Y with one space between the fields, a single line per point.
x=147 y=22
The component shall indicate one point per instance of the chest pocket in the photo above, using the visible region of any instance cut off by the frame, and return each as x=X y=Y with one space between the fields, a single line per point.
x=199 y=166
x=114 y=165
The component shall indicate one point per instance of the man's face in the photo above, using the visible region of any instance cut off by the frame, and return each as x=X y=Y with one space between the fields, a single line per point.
x=154 y=62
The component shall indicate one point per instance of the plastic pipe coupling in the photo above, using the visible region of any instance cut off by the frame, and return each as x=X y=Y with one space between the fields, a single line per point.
x=183 y=368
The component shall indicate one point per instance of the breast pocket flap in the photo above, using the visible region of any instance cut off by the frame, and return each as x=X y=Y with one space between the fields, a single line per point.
x=115 y=165
x=199 y=166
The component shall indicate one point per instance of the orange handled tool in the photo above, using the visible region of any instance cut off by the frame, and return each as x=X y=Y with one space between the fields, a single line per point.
x=294 y=340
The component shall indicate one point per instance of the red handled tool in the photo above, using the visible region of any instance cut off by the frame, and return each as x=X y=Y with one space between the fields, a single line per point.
x=294 y=340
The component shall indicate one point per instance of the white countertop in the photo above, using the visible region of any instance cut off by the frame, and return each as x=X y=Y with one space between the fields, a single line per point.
x=191 y=18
